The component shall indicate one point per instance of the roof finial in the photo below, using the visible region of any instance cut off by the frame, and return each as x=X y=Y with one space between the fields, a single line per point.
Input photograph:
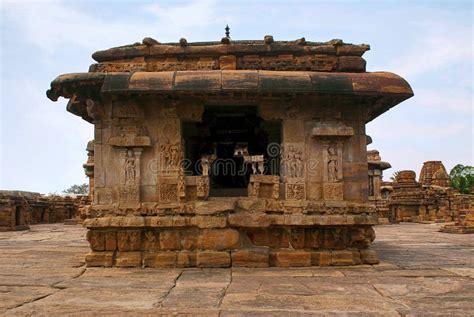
x=227 y=31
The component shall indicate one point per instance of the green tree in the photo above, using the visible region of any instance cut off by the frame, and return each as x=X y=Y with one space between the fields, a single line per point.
x=462 y=178
x=393 y=178
x=77 y=189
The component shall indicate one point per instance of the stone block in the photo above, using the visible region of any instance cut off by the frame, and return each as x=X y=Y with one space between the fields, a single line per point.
x=99 y=259
x=189 y=238
x=254 y=257
x=160 y=259
x=333 y=191
x=334 y=238
x=170 y=239
x=314 y=191
x=218 y=239
x=288 y=258
x=227 y=62
x=129 y=240
x=213 y=259
x=356 y=257
x=186 y=259
x=151 y=241
x=342 y=257
x=369 y=257
x=96 y=240
x=321 y=258
x=249 y=220
x=128 y=259
x=272 y=237
x=110 y=240
x=213 y=207
x=206 y=222
x=312 y=238
x=297 y=238
x=351 y=64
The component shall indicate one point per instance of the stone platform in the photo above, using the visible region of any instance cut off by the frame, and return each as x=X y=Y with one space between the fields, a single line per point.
x=422 y=272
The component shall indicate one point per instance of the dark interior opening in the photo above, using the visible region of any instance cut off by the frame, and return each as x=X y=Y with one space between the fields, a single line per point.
x=43 y=212
x=224 y=133
x=17 y=216
x=371 y=186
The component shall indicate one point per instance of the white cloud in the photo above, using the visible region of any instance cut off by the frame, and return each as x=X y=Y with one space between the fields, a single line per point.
x=453 y=99
x=180 y=19
x=438 y=44
x=50 y=25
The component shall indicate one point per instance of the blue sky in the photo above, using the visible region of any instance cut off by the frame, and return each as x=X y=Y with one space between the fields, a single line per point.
x=429 y=43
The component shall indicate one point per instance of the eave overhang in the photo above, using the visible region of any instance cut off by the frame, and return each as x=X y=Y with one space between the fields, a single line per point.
x=387 y=88
x=379 y=165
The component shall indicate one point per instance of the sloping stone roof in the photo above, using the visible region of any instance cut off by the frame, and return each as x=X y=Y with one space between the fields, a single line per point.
x=152 y=48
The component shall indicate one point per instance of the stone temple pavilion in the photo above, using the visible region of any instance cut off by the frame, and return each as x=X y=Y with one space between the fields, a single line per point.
x=230 y=153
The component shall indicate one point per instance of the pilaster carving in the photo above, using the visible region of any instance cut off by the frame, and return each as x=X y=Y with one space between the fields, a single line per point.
x=332 y=157
x=129 y=195
x=168 y=192
x=333 y=187
x=331 y=134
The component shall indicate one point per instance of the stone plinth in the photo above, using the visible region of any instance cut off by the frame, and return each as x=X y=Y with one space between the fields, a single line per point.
x=244 y=153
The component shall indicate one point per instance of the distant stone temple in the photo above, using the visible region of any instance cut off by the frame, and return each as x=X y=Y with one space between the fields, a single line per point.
x=431 y=199
x=376 y=194
x=434 y=173
x=407 y=197
x=242 y=153
x=19 y=209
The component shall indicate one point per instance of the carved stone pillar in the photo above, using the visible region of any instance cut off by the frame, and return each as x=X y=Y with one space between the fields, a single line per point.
x=293 y=172
x=89 y=168
x=331 y=135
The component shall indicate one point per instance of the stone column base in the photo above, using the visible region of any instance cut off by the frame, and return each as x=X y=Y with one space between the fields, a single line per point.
x=252 y=258
x=281 y=246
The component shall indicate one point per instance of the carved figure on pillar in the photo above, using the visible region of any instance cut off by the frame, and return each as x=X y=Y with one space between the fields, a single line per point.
x=130 y=168
x=333 y=164
x=130 y=183
x=293 y=162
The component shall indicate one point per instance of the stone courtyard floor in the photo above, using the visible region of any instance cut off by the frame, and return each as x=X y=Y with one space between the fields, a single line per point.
x=422 y=272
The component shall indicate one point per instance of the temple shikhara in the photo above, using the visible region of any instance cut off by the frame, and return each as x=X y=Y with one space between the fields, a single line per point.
x=430 y=199
x=231 y=153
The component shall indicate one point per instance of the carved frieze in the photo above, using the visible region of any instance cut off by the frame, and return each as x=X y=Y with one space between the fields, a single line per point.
x=295 y=189
x=168 y=189
x=331 y=128
x=129 y=132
